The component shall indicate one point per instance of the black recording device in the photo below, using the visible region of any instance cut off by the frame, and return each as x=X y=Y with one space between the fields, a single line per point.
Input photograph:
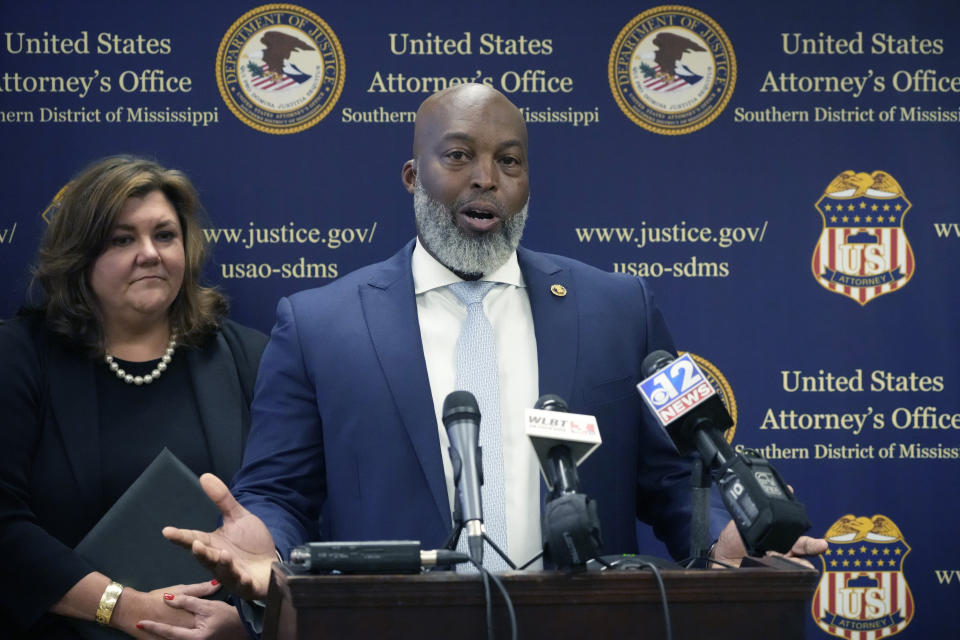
x=376 y=556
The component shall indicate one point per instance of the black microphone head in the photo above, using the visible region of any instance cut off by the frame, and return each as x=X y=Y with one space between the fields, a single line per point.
x=460 y=405
x=571 y=530
x=551 y=402
x=655 y=361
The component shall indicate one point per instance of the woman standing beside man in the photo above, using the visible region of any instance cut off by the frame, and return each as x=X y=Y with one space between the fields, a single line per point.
x=124 y=353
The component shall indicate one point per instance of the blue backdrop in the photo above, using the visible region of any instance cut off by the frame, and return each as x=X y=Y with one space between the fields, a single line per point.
x=707 y=166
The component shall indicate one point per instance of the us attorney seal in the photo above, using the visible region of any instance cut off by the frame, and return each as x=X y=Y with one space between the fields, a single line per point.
x=863 y=251
x=863 y=592
x=672 y=70
x=280 y=68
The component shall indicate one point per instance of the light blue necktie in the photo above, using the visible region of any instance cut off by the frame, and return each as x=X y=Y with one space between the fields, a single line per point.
x=477 y=373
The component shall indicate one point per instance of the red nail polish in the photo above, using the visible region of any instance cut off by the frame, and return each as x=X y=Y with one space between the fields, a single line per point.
x=168 y=596
x=214 y=582
x=139 y=626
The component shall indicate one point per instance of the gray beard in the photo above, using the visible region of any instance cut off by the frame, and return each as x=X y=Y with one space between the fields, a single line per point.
x=459 y=250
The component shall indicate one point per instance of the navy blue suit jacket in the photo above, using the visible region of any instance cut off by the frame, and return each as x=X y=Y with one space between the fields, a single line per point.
x=344 y=443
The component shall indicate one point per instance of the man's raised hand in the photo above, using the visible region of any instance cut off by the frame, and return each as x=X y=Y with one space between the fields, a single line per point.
x=239 y=553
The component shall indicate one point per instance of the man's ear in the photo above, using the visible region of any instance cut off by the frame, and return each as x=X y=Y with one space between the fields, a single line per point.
x=408 y=175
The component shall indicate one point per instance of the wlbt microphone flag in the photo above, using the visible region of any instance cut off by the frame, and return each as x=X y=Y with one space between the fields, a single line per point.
x=562 y=440
x=551 y=426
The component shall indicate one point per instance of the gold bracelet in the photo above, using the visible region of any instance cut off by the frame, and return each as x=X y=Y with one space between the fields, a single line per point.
x=108 y=601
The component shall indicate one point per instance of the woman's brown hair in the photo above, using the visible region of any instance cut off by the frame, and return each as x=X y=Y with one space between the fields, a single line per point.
x=82 y=220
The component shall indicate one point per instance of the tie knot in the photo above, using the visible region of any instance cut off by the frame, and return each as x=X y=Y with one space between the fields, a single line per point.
x=472 y=291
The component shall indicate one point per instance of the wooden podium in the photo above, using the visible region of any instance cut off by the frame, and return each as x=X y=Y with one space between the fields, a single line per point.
x=767 y=600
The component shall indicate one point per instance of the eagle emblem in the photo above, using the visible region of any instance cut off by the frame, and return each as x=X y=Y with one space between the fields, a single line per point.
x=272 y=68
x=863 y=594
x=672 y=70
x=280 y=68
x=863 y=251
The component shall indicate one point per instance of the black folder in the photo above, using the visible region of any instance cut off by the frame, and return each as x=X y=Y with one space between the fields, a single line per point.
x=126 y=544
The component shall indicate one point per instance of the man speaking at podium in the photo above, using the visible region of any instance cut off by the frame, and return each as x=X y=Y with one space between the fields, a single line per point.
x=346 y=442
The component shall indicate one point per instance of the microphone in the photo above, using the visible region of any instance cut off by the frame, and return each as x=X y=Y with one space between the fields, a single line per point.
x=690 y=410
x=389 y=556
x=570 y=523
x=561 y=440
x=461 y=417
x=684 y=401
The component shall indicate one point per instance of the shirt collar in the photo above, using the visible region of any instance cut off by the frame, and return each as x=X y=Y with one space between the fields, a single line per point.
x=429 y=273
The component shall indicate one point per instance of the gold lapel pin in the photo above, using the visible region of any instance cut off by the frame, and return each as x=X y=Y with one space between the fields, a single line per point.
x=558 y=290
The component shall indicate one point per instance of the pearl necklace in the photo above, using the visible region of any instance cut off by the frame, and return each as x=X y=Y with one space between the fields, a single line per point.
x=150 y=377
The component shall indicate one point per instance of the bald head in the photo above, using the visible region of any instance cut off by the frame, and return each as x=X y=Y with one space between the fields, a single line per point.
x=469 y=177
x=466 y=101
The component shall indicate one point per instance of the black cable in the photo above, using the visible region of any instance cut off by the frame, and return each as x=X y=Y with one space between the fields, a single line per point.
x=509 y=603
x=506 y=600
x=488 y=601
x=663 y=598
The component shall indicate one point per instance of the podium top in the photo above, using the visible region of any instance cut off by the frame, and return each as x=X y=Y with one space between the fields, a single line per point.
x=731 y=603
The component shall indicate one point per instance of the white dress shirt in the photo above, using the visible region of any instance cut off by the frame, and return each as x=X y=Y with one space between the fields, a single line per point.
x=441 y=315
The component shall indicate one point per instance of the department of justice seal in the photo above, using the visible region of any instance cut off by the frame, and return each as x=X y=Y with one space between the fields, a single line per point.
x=863 y=251
x=280 y=68
x=672 y=70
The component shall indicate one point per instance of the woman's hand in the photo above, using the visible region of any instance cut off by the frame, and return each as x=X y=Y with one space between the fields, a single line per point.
x=134 y=606
x=212 y=620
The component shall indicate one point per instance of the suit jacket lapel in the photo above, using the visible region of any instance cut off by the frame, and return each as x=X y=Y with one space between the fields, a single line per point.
x=390 y=308
x=216 y=387
x=555 y=321
x=73 y=397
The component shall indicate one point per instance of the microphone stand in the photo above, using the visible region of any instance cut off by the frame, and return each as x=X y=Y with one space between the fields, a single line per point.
x=701 y=480
x=458 y=525
x=458 y=522
x=700 y=483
